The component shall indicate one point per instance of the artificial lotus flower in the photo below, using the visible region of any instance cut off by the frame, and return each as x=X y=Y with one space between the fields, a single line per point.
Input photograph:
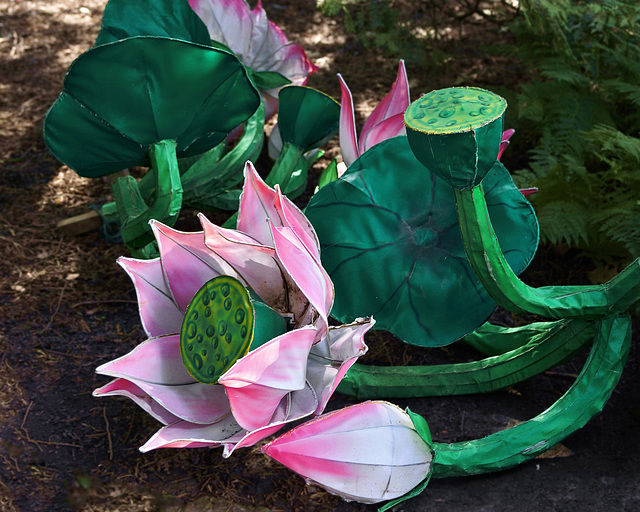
x=275 y=255
x=385 y=121
x=369 y=452
x=257 y=42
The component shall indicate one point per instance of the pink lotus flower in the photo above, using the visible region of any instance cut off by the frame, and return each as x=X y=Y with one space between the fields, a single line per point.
x=369 y=452
x=386 y=120
x=275 y=253
x=256 y=41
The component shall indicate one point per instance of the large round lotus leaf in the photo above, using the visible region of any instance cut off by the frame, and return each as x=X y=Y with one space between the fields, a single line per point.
x=163 y=18
x=392 y=245
x=307 y=118
x=122 y=97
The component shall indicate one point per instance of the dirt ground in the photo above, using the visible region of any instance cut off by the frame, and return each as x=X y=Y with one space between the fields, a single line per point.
x=66 y=308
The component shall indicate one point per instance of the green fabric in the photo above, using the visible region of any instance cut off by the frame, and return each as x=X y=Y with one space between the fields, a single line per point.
x=269 y=324
x=456 y=133
x=493 y=340
x=208 y=181
x=133 y=210
x=162 y=18
x=584 y=399
x=122 y=97
x=329 y=174
x=307 y=118
x=561 y=341
x=391 y=244
x=289 y=171
x=267 y=79
x=490 y=263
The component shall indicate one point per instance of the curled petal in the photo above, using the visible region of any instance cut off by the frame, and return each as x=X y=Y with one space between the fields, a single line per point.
x=159 y=313
x=294 y=406
x=256 y=383
x=394 y=103
x=306 y=271
x=298 y=222
x=390 y=127
x=183 y=434
x=257 y=207
x=123 y=387
x=330 y=359
x=156 y=367
x=335 y=451
x=506 y=135
x=254 y=264
x=186 y=262
x=348 y=136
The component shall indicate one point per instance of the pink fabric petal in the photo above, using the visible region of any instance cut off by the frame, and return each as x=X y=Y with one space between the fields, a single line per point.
x=188 y=435
x=296 y=220
x=156 y=367
x=229 y=22
x=257 y=206
x=395 y=102
x=306 y=271
x=123 y=387
x=257 y=383
x=330 y=359
x=390 y=127
x=506 y=135
x=335 y=451
x=526 y=192
x=186 y=261
x=348 y=136
x=255 y=265
x=159 y=313
x=293 y=407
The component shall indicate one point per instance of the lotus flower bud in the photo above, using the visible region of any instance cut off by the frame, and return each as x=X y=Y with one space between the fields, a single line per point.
x=369 y=452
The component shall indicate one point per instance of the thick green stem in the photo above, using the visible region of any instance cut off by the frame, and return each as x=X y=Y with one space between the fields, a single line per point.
x=584 y=399
x=133 y=210
x=543 y=349
x=491 y=267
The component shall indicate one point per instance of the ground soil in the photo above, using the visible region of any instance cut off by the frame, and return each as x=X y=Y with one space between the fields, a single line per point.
x=67 y=307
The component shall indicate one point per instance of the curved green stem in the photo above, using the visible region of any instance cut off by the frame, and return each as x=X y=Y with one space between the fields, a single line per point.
x=489 y=264
x=542 y=350
x=133 y=210
x=584 y=399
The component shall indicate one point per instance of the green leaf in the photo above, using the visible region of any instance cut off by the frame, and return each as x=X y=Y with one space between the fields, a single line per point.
x=267 y=79
x=307 y=118
x=122 y=97
x=391 y=243
x=162 y=18
x=329 y=174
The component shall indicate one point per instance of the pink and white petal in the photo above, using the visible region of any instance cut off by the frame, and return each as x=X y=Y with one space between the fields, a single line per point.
x=293 y=407
x=254 y=264
x=270 y=101
x=123 y=387
x=330 y=359
x=183 y=434
x=228 y=21
x=506 y=135
x=257 y=206
x=395 y=102
x=187 y=262
x=256 y=383
x=159 y=313
x=308 y=274
x=334 y=451
x=157 y=360
x=294 y=218
x=348 y=136
x=390 y=127
x=526 y=192
x=195 y=402
x=291 y=61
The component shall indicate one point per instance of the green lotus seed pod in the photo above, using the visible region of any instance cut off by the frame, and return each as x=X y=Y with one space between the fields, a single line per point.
x=217 y=328
x=456 y=133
